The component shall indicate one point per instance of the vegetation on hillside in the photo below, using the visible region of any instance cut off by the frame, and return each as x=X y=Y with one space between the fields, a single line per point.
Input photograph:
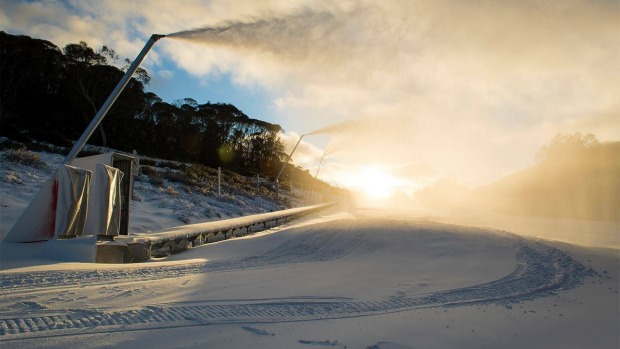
x=576 y=176
x=50 y=95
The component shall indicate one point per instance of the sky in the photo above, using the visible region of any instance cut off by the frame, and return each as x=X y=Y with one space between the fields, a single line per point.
x=407 y=92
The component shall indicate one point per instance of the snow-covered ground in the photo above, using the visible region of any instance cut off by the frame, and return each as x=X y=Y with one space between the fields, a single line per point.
x=154 y=206
x=350 y=277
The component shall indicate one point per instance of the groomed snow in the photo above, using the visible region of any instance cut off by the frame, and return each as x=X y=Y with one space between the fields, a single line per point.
x=344 y=278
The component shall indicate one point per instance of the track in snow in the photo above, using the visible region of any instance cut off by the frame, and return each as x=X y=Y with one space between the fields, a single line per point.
x=541 y=270
x=312 y=246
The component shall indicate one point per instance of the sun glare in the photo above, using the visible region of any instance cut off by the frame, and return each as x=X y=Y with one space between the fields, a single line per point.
x=375 y=182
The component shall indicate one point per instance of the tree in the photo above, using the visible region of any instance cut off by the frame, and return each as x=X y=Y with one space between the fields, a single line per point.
x=88 y=79
x=565 y=146
x=49 y=96
x=93 y=79
x=30 y=87
x=141 y=74
x=82 y=53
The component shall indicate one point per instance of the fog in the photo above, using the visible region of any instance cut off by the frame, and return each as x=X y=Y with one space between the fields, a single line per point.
x=446 y=95
x=443 y=107
x=470 y=91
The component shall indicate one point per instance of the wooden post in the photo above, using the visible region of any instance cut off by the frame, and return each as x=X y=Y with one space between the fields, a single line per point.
x=219 y=181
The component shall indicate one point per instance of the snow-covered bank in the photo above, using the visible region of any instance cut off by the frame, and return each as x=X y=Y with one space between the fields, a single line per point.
x=163 y=197
x=157 y=202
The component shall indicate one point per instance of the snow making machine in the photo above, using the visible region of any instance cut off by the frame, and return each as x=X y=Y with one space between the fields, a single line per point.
x=86 y=196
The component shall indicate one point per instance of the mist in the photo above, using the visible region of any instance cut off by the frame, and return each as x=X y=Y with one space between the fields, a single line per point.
x=426 y=92
x=448 y=105
x=471 y=92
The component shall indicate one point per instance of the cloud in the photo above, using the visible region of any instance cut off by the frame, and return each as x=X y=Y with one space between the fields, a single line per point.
x=306 y=155
x=472 y=89
x=165 y=74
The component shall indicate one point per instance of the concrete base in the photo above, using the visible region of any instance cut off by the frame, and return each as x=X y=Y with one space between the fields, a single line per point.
x=110 y=252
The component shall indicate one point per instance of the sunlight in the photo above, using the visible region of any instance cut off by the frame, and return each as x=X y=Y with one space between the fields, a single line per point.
x=375 y=182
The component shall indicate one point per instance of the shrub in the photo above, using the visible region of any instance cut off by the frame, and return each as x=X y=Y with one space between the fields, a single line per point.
x=170 y=190
x=206 y=191
x=199 y=172
x=23 y=156
x=6 y=143
x=89 y=152
x=149 y=170
x=171 y=165
x=148 y=162
x=13 y=177
x=178 y=177
x=153 y=174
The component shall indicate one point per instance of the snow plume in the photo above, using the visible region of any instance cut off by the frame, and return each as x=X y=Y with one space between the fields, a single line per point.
x=308 y=34
x=339 y=128
x=269 y=34
x=332 y=43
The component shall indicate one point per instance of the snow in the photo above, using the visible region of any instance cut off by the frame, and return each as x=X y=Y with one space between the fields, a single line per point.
x=343 y=278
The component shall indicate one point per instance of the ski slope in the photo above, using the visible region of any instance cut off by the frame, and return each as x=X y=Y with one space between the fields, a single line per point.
x=352 y=279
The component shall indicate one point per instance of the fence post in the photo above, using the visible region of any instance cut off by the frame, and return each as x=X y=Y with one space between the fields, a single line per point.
x=219 y=181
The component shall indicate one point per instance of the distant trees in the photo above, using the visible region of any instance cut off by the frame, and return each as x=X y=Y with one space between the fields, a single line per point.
x=51 y=95
x=89 y=79
x=576 y=177
x=31 y=82
x=566 y=146
x=218 y=135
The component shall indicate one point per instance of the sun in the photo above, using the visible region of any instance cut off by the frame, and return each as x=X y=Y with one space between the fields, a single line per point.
x=374 y=182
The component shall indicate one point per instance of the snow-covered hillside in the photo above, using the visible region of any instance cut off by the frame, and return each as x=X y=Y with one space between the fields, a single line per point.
x=163 y=197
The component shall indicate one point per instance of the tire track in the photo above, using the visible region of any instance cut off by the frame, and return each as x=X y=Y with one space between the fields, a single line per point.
x=541 y=270
x=311 y=246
